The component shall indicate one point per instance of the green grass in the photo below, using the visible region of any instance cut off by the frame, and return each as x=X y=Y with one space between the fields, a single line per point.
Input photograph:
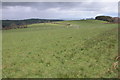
x=57 y=51
x=0 y=54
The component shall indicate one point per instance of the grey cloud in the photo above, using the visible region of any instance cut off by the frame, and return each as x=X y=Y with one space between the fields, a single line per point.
x=48 y=5
x=41 y=9
x=40 y=4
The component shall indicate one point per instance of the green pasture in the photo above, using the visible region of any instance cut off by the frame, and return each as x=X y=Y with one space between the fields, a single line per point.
x=83 y=49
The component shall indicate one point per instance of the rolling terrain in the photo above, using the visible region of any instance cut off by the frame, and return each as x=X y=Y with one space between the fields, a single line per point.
x=64 y=49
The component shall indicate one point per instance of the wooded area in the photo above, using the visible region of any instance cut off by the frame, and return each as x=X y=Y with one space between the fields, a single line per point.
x=13 y=24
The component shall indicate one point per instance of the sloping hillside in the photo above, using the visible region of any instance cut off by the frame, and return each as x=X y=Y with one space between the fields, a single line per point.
x=82 y=49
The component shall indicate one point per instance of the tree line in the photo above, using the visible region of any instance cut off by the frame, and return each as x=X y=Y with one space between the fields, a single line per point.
x=13 y=24
x=108 y=19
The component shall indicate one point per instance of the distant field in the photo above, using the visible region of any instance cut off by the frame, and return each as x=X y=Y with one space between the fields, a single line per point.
x=83 y=49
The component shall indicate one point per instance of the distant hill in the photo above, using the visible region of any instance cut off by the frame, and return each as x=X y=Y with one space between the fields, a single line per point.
x=8 y=23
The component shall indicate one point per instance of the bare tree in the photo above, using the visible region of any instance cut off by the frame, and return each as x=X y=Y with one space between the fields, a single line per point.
x=13 y=25
x=24 y=25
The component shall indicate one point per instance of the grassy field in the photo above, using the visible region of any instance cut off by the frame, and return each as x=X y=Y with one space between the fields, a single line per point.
x=85 y=49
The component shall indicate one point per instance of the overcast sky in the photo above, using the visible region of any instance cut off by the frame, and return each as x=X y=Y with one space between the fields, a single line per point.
x=58 y=10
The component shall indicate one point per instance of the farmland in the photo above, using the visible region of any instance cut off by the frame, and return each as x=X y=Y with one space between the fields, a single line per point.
x=83 y=49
